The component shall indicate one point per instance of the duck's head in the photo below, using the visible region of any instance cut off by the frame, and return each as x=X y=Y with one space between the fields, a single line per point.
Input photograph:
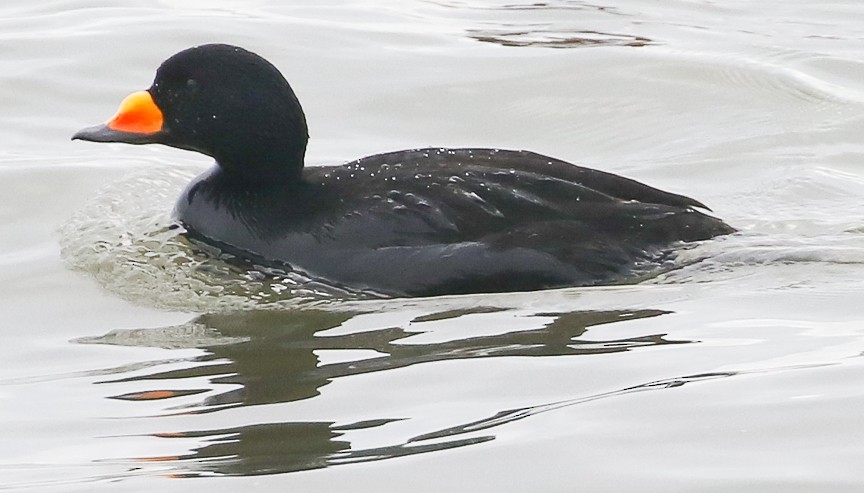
x=222 y=101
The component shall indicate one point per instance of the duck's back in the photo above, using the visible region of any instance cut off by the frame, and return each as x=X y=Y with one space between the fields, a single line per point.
x=447 y=221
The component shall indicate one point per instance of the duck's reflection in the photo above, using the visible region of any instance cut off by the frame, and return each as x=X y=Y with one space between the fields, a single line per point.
x=276 y=448
x=270 y=357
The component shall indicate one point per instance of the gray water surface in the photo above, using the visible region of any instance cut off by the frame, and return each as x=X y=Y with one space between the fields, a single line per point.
x=130 y=362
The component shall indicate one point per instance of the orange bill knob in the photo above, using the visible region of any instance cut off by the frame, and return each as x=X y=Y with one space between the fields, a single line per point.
x=137 y=114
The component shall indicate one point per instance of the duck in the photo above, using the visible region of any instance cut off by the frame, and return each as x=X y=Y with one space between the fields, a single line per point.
x=417 y=222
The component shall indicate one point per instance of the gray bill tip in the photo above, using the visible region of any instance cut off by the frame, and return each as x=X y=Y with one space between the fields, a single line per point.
x=104 y=133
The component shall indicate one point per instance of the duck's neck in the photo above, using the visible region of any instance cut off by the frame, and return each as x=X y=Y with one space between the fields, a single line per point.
x=268 y=168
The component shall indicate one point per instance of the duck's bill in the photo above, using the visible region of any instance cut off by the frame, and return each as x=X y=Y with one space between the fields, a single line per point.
x=104 y=133
x=138 y=121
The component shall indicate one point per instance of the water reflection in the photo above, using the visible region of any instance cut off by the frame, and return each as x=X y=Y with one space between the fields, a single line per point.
x=555 y=24
x=271 y=357
x=560 y=5
x=556 y=38
x=276 y=448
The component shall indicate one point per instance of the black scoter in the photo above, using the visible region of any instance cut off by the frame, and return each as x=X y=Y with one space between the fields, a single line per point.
x=417 y=222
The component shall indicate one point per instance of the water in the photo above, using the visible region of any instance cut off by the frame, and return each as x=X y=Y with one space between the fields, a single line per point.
x=130 y=362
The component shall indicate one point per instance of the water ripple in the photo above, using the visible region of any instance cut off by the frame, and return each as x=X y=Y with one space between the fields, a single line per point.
x=127 y=240
x=552 y=38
